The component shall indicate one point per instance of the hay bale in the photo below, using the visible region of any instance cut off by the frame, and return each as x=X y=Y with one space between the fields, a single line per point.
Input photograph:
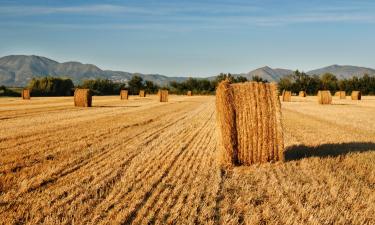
x=25 y=94
x=163 y=95
x=142 y=93
x=287 y=96
x=249 y=123
x=356 y=95
x=189 y=93
x=324 y=97
x=124 y=94
x=82 y=98
x=302 y=94
x=340 y=94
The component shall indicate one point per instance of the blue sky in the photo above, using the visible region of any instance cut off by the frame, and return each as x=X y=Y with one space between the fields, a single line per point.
x=192 y=38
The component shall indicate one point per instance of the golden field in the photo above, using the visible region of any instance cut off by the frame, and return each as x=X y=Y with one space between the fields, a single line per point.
x=142 y=161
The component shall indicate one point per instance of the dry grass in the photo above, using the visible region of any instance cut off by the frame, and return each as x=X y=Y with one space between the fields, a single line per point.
x=25 y=94
x=142 y=93
x=324 y=97
x=82 y=98
x=287 y=96
x=249 y=123
x=356 y=95
x=139 y=162
x=124 y=95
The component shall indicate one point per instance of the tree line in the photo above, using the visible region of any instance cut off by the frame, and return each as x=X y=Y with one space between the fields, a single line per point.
x=300 y=81
x=54 y=86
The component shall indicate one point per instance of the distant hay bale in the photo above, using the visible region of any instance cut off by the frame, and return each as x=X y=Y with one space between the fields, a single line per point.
x=82 y=98
x=287 y=96
x=302 y=94
x=189 y=93
x=124 y=94
x=142 y=93
x=249 y=123
x=25 y=94
x=163 y=95
x=324 y=97
x=340 y=94
x=356 y=95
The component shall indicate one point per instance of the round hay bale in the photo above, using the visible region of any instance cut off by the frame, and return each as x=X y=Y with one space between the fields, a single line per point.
x=302 y=94
x=189 y=93
x=324 y=97
x=163 y=95
x=356 y=95
x=249 y=123
x=142 y=93
x=82 y=98
x=340 y=94
x=124 y=95
x=287 y=96
x=25 y=94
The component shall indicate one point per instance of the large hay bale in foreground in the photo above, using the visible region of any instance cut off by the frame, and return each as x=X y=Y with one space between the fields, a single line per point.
x=340 y=94
x=189 y=93
x=249 y=123
x=25 y=94
x=82 y=98
x=142 y=93
x=356 y=95
x=287 y=96
x=324 y=97
x=163 y=95
x=302 y=94
x=124 y=94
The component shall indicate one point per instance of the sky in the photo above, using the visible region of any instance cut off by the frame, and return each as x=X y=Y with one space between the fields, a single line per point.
x=192 y=38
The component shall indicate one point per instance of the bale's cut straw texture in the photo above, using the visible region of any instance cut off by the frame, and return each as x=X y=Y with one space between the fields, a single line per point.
x=287 y=96
x=25 y=94
x=82 y=98
x=302 y=94
x=249 y=123
x=124 y=94
x=142 y=93
x=163 y=95
x=356 y=95
x=340 y=94
x=324 y=97
x=189 y=93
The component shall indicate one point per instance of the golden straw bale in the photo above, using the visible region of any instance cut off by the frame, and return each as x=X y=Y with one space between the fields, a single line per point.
x=249 y=123
x=287 y=96
x=302 y=94
x=25 y=94
x=142 y=93
x=324 y=97
x=82 y=98
x=356 y=95
x=189 y=93
x=340 y=94
x=124 y=94
x=163 y=95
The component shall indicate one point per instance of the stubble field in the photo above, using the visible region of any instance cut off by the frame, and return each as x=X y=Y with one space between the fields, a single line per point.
x=141 y=161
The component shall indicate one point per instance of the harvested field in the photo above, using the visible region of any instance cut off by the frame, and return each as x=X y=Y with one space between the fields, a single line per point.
x=141 y=161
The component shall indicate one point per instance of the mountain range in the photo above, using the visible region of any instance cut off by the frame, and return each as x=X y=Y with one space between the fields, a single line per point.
x=18 y=70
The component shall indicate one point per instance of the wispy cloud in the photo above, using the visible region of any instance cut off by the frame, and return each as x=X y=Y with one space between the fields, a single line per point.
x=193 y=16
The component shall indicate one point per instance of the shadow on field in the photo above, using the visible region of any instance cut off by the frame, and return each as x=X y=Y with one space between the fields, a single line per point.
x=298 y=152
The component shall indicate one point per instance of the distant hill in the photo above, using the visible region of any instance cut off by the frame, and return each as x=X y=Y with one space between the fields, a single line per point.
x=268 y=73
x=343 y=72
x=18 y=70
